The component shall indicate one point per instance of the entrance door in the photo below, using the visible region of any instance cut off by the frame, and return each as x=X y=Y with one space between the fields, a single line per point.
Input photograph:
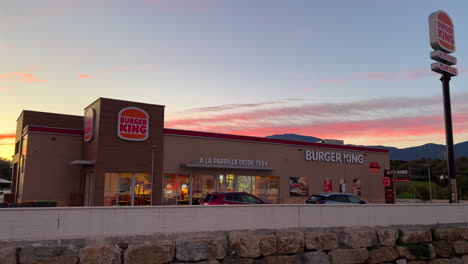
x=220 y=183
x=226 y=183
x=125 y=189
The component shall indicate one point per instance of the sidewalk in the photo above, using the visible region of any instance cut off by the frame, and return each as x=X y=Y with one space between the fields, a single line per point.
x=408 y=201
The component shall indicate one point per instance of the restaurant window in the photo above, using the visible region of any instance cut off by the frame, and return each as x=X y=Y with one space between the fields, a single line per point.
x=24 y=150
x=244 y=183
x=181 y=189
x=176 y=189
x=272 y=190
x=197 y=189
x=127 y=189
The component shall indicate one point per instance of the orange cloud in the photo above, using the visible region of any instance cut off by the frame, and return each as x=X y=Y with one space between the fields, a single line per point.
x=82 y=76
x=20 y=76
x=9 y=136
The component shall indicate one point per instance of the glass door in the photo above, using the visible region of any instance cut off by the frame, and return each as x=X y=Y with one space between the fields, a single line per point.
x=126 y=189
x=221 y=183
x=231 y=185
x=142 y=189
x=125 y=184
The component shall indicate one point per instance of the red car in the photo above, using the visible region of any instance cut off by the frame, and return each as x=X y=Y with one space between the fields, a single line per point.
x=218 y=198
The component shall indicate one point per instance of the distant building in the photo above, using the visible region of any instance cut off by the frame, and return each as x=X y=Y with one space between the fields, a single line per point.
x=119 y=153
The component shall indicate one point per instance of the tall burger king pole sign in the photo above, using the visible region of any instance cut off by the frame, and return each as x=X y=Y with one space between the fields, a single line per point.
x=442 y=38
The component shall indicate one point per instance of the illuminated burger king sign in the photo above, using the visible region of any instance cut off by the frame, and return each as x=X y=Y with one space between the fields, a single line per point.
x=89 y=125
x=441 y=32
x=133 y=124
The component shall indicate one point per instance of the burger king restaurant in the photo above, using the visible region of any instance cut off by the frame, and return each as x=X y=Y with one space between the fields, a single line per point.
x=120 y=154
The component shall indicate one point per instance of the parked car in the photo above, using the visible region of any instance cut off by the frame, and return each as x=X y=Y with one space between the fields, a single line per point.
x=217 y=198
x=334 y=198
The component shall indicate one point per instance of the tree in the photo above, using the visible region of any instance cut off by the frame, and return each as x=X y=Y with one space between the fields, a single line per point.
x=419 y=172
x=5 y=172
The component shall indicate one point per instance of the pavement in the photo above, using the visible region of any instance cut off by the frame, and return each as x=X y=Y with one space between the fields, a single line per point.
x=410 y=201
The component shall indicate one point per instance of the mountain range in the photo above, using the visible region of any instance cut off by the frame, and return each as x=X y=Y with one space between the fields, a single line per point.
x=430 y=150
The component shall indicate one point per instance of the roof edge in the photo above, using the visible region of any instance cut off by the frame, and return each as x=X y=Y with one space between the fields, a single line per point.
x=200 y=134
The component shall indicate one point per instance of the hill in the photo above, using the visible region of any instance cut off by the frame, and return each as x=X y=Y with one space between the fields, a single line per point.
x=295 y=137
x=430 y=150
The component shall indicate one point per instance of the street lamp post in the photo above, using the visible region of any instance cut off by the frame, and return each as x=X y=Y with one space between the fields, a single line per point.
x=429 y=176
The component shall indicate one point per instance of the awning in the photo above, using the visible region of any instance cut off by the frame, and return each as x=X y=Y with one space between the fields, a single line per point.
x=82 y=162
x=212 y=166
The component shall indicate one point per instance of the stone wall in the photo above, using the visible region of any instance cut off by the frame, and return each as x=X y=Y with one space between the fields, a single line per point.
x=440 y=244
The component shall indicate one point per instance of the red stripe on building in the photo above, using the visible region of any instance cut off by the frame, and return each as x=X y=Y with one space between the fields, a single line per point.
x=53 y=130
x=178 y=132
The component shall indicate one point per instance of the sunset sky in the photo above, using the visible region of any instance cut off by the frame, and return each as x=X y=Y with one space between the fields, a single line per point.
x=352 y=70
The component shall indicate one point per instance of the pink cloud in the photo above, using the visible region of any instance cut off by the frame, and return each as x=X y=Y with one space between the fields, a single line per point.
x=294 y=99
x=232 y=107
x=389 y=118
x=335 y=81
x=20 y=76
x=83 y=76
x=394 y=76
x=408 y=75
x=391 y=128
x=298 y=75
x=317 y=110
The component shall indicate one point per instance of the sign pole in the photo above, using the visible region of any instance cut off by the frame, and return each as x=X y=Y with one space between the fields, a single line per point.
x=442 y=40
x=449 y=138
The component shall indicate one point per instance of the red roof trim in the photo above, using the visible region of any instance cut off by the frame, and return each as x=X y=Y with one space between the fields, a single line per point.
x=264 y=140
x=53 y=130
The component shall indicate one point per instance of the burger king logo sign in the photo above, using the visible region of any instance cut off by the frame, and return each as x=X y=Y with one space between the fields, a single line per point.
x=442 y=36
x=133 y=124
x=89 y=125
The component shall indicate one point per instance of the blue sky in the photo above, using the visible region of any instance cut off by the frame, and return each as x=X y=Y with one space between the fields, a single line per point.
x=352 y=70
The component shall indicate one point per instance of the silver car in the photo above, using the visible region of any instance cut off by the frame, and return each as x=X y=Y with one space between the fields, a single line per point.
x=334 y=198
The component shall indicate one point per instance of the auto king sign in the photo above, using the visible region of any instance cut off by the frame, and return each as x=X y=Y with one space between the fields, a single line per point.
x=442 y=39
